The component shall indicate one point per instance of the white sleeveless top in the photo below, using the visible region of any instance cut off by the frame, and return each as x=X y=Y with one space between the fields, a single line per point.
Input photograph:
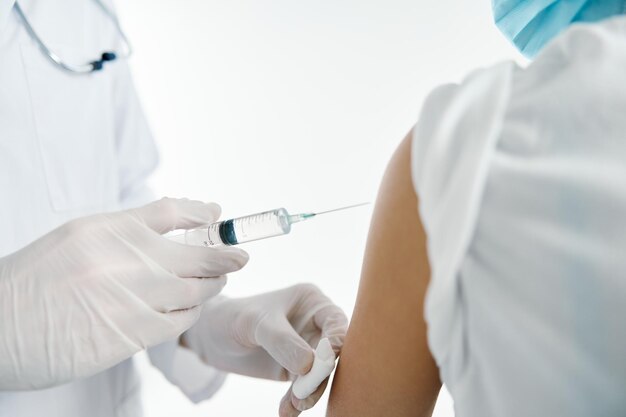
x=521 y=176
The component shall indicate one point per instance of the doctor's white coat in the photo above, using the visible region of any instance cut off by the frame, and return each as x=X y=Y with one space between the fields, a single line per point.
x=72 y=145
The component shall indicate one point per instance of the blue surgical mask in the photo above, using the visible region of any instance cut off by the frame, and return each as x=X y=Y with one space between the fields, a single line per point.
x=530 y=24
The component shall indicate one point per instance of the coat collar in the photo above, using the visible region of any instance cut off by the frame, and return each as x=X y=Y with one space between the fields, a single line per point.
x=6 y=6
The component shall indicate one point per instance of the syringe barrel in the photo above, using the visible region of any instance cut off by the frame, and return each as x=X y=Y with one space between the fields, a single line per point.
x=242 y=229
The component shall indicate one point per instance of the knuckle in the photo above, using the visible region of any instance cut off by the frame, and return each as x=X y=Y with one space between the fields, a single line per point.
x=341 y=321
x=81 y=227
x=168 y=207
x=307 y=288
x=87 y=275
x=250 y=318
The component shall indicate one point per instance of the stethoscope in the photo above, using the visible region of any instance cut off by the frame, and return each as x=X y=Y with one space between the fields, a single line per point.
x=92 y=66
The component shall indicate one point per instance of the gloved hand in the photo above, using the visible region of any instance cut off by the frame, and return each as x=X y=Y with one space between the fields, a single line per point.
x=269 y=336
x=98 y=289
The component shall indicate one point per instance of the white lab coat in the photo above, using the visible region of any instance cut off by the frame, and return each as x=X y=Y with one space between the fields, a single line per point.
x=72 y=145
x=521 y=177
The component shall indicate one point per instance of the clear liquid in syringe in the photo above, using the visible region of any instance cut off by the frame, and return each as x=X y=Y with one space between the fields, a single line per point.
x=248 y=228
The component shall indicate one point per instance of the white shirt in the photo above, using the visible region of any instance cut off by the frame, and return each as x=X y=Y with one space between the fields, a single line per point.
x=521 y=176
x=72 y=145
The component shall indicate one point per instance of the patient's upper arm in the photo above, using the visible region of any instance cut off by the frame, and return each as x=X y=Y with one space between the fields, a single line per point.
x=386 y=368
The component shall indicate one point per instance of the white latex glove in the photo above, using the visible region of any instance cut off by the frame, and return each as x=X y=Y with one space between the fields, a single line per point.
x=269 y=336
x=96 y=290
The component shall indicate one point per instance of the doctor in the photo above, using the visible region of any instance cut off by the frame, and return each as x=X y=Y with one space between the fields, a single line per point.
x=81 y=292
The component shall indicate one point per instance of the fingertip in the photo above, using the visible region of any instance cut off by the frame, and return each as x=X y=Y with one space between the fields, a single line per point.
x=215 y=211
x=244 y=256
x=337 y=343
x=168 y=214
x=237 y=256
x=296 y=356
x=333 y=323
x=286 y=407
x=310 y=401
x=222 y=281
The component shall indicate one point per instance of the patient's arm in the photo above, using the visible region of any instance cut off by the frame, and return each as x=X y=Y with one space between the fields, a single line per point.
x=386 y=368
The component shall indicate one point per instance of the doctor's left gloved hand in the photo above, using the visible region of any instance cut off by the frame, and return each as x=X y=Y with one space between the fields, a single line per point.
x=271 y=336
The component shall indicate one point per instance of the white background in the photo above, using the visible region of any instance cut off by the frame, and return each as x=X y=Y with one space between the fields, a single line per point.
x=260 y=104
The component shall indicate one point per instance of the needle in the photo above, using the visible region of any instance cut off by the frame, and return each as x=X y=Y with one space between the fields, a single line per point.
x=306 y=216
x=340 y=208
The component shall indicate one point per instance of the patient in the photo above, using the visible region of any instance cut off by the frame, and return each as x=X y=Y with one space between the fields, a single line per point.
x=496 y=258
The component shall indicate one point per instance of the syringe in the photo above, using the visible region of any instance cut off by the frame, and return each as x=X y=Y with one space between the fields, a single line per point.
x=247 y=228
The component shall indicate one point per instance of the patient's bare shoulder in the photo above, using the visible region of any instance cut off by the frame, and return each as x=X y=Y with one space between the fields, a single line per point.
x=386 y=367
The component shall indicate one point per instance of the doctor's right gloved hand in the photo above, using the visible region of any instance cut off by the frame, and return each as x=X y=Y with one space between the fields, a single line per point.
x=96 y=290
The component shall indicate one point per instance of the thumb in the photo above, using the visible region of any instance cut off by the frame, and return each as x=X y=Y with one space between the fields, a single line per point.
x=169 y=214
x=278 y=337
